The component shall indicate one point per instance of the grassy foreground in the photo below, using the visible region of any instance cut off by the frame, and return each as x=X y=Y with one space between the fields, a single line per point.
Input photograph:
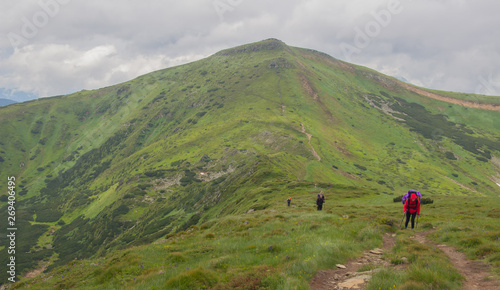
x=283 y=247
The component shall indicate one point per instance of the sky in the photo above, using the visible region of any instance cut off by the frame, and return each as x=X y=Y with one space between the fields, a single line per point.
x=57 y=47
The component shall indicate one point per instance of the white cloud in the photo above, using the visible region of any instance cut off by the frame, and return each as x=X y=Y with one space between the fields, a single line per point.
x=51 y=69
x=89 y=44
x=91 y=57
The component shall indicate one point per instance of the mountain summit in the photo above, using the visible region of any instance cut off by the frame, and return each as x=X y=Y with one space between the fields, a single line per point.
x=126 y=165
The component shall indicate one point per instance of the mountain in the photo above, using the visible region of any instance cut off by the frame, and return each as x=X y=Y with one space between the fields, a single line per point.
x=6 y=102
x=197 y=146
x=16 y=96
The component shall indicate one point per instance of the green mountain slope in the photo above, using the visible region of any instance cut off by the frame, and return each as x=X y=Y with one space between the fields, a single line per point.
x=105 y=170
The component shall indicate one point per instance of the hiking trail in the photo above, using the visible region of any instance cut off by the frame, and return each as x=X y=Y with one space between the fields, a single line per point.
x=347 y=276
x=477 y=274
x=465 y=103
x=309 y=136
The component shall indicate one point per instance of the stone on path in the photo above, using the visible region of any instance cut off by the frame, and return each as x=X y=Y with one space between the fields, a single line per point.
x=355 y=282
x=377 y=251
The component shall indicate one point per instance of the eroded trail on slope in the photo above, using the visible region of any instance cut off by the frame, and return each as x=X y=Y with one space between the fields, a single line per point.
x=469 y=104
x=477 y=274
x=347 y=276
x=309 y=136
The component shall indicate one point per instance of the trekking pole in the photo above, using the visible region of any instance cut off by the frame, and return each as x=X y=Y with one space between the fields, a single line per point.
x=417 y=221
x=401 y=225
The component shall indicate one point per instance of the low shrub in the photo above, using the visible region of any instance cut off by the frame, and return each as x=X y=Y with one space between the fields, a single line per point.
x=426 y=200
x=385 y=220
x=177 y=257
x=194 y=279
x=428 y=226
x=398 y=199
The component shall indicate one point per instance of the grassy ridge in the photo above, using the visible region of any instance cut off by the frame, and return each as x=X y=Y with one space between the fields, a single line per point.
x=282 y=247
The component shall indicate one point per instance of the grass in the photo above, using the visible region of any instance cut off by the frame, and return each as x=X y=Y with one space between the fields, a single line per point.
x=100 y=202
x=236 y=248
x=276 y=248
x=427 y=267
x=282 y=248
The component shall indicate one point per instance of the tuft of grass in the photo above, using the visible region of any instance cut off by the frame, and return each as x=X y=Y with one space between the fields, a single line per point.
x=193 y=279
x=177 y=257
x=210 y=236
x=386 y=279
x=257 y=277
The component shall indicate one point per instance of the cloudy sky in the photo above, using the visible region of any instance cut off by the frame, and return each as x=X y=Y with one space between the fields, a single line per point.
x=54 y=47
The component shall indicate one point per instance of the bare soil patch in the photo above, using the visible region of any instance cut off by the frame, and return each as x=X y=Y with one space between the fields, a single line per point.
x=347 y=276
x=477 y=274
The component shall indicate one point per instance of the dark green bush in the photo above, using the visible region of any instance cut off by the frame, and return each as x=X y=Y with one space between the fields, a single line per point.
x=450 y=156
x=177 y=163
x=189 y=177
x=144 y=186
x=121 y=210
x=360 y=167
x=47 y=213
x=398 y=199
x=37 y=128
x=426 y=200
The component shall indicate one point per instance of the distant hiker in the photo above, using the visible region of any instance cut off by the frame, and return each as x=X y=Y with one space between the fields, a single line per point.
x=289 y=200
x=405 y=197
x=412 y=208
x=320 y=200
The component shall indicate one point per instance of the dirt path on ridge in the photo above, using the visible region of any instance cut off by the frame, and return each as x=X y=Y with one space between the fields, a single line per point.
x=347 y=276
x=477 y=274
x=469 y=104
x=309 y=136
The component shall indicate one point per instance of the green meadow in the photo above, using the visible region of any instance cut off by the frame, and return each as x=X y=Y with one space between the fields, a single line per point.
x=283 y=247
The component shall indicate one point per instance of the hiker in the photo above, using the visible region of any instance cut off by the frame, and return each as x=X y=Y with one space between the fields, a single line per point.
x=320 y=200
x=412 y=208
x=405 y=197
x=289 y=200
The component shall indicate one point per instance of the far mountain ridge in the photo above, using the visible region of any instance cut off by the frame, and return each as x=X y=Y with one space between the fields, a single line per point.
x=6 y=102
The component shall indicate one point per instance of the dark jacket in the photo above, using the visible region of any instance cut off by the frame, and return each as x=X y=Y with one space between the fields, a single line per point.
x=320 y=200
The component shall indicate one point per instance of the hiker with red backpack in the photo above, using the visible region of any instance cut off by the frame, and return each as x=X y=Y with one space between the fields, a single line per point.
x=412 y=208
